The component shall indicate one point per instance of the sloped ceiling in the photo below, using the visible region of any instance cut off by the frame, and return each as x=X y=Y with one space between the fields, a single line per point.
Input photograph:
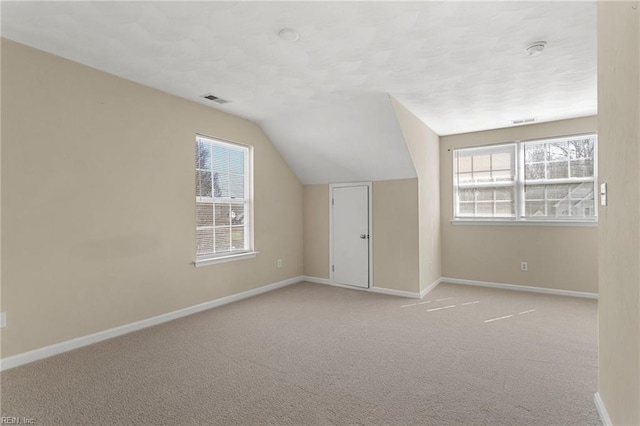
x=331 y=144
x=459 y=66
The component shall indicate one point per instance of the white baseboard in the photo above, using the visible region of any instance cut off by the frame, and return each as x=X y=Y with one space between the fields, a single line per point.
x=58 y=348
x=316 y=280
x=388 y=291
x=602 y=410
x=392 y=292
x=434 y=284
x=517 y=287
x=430 y=288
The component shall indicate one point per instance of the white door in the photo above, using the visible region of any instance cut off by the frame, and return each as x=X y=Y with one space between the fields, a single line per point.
x=350 y=235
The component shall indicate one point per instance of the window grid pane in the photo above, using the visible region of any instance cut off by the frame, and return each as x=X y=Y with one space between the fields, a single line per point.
x=481 y=176
x=487 y=202
x=565 y=161
x=558 y=180
x=221 y=206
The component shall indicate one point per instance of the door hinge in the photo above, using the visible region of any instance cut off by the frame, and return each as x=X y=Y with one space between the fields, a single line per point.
x=333 y=268
x=333 y=202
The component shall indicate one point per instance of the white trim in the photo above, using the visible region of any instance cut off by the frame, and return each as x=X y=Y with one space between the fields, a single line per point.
x=316 y=280
x=523 y=222
x=223 y=259
x=369 y=185
x=460 y=281
x=519 y=179
x=247 y=203
x=517 y=287
x=602 y=410
x=392 y=292
x=430 y=288
x=381 y=290
x=58 y=348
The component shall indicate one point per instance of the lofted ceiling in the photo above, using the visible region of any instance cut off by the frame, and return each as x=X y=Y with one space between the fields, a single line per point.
x=459 y=66
x=354 y=141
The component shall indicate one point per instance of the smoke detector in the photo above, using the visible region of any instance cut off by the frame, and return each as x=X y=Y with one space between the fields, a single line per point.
x=215 y=99
x=536 y=48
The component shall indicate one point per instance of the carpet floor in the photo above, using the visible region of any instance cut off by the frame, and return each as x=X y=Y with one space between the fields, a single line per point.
x=317 y=355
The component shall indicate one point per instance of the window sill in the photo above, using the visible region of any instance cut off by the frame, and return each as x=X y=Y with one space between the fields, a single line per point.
x=466 y=222
x=224 y=259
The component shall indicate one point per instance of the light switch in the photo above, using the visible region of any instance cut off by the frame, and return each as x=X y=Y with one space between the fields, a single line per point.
x=603 y=194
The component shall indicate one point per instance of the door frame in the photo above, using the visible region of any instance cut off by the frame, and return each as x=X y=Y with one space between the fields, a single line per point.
x=369 y=186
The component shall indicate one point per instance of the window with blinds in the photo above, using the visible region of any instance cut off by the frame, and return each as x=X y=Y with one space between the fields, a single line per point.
x=222 y=198
x=559 y=178
x=485 y=182
x=546 y=179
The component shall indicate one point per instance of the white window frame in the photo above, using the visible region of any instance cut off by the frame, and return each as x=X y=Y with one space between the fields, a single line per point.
x=486 y=150
x=247 y=251
x=519 y=217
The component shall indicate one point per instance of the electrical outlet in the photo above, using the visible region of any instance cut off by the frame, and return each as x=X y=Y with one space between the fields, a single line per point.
x=279 y=263
x=3 y=319
x=524 y=266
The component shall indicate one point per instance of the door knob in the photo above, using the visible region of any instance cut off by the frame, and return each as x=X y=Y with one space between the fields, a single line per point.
x=363 y=236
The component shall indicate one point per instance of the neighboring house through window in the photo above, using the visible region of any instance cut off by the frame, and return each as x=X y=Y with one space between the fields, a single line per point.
x=223 y=203
x=545 y=179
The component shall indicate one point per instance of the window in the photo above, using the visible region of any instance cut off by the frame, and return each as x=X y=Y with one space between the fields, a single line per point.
x=559 y=178
x=547 y=179
x=222 y=199
x=485 y=180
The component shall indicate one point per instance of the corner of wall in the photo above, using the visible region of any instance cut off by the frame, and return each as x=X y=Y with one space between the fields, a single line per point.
x=316 y=230
x=135 y=264
x=619 y=220
x=424 y=148
x=562 y=258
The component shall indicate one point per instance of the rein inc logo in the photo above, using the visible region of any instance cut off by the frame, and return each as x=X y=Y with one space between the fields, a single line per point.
x=15 y=420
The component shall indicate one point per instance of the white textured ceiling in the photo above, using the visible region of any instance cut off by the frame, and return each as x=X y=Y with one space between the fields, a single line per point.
x=459 y=66
x=319 y=151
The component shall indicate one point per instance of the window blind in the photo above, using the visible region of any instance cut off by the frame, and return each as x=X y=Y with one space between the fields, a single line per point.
x=559 y=177
x=484 y=180
x=546 y=179
x=222 y=198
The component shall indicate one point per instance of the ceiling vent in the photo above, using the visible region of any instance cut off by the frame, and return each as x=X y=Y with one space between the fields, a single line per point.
x=215 y=99
x=524 y=121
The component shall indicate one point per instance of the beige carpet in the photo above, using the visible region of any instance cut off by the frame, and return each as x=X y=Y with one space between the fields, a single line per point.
x=314 y=354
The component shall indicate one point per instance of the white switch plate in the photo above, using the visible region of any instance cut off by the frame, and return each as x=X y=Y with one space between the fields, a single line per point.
x=603 y=194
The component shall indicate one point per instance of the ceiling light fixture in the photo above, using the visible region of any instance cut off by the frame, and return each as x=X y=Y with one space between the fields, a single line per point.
x=536 y=48
x=288 y=34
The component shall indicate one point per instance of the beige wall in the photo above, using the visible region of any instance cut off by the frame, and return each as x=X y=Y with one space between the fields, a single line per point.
x=1 y=305
x=424 y=148
x=395 y=242
x=316 y=231
x=559 y=257
x=395 y=235
x=619 y=233
x=98 y=220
